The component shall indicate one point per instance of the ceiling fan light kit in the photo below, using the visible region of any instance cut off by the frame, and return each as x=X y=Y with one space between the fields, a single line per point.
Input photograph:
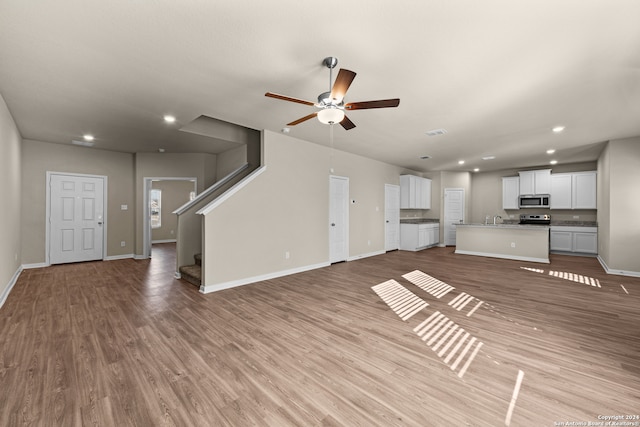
x=331 y=104
x=330 y=115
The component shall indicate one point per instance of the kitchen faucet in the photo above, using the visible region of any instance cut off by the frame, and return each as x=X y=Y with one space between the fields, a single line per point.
x=495 y=217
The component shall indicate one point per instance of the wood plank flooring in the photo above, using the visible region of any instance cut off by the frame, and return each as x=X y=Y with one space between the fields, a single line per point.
x=122 y=343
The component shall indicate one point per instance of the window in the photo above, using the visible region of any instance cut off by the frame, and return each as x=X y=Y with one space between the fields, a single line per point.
x=155 y=207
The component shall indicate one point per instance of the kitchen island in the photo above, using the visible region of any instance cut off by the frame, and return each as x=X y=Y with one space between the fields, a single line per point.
x=510 y=241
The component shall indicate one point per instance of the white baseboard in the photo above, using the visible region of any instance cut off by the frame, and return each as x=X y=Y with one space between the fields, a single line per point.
x=513 y=257
x=615 y=271
x=164 y=241
x=117 y=257
x=205 y=289
x=135 y=256
x=367 y=255
x=12 y=282
x=36 y=265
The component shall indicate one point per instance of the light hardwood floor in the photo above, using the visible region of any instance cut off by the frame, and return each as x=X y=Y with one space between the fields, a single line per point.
x=122 y=343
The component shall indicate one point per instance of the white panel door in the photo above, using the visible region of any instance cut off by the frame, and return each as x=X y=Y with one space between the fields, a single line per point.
x=76 y=218
x=391 y=217
x=453 y=213
x=338 y=219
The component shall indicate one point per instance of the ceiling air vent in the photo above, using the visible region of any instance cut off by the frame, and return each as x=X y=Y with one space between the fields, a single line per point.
x=82 y=143
x=436 y=132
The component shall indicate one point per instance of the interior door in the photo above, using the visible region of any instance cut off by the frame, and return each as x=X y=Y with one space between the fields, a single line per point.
x=76 y=218
x=391 y=217
x=338 y=219
x=453 y=213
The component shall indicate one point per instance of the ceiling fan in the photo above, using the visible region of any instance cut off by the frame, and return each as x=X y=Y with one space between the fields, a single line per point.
x=331 y=103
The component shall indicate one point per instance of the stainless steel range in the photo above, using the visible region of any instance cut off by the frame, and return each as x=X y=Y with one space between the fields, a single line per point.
x=535 y=219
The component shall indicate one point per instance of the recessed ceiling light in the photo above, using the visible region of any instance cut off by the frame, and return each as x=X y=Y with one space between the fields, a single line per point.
x=436 y=132
x=488 y=157
x=551 y=151
x=553 y=162
x=461 y=162
x=88 y=137
x=160 y=150
x=169 y=119
x=476 y=169
x=558 y=129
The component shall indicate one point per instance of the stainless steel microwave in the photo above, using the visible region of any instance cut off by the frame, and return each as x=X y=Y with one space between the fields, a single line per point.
x=533 y=201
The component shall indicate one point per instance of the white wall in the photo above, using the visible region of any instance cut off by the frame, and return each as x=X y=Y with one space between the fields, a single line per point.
x=10 y=191
x=620 y=167
x=286 y=209
x=39 y=157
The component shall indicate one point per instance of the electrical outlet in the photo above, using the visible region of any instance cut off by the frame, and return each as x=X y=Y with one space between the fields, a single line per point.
x=123 y=244
x=513 y=244
x=286 y=255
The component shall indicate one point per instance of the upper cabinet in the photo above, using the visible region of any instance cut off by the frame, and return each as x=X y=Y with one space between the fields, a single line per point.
x=561 y=191
x=510 y=192
x=583 y=190
x=535 y=182
x=415 y=192
x=575 y=190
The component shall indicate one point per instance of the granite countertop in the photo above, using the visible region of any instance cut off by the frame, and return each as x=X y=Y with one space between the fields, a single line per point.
x=505 y=225
x=575 y=223
x=558 y=223
x=419 y=221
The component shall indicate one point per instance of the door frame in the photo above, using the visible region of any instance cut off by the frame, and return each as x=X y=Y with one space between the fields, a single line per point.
x=146 y=213
x=444 y=211
x=105 y=222
x=386 y=189
x=346 y=179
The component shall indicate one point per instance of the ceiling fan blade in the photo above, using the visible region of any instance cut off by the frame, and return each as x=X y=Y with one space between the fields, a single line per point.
x=383 y=103
x=303 y=119
x=288 y=98
x=342 y=83
x=347 y=124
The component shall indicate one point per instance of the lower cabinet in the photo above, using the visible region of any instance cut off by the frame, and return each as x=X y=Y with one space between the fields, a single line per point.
x=574 y=239
x=414 y=237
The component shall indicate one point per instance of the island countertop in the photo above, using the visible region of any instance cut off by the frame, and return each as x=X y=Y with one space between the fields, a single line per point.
x=516 y=226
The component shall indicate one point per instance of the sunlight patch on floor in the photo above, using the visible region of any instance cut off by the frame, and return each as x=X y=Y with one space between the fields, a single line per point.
x=573 y=277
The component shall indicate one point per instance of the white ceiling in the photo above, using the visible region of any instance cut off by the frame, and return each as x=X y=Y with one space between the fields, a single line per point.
x=497 y=75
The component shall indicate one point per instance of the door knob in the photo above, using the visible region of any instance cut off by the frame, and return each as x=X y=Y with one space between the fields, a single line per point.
x=333 y=224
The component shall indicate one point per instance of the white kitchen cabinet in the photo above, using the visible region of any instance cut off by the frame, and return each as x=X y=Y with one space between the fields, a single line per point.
x=414 y=237
x=415 y=192
x=585 y=242
x=561 y=191
x=584 y=190
x=510 y=192
x=574 y=239
x=575 y=190
x=561 y=241
x=535 y=182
